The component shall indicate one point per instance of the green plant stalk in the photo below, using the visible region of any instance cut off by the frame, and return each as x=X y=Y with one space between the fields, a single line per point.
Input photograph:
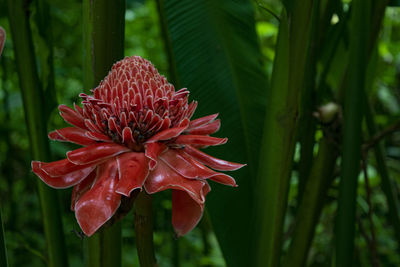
x=387 y=186
x=103 y=28
x=280 y=130
x=46 y=62
x=144 y=229
x=311 y=203
x=353 y=114
x=34 y=104
x=3 y=250
x=307 y=123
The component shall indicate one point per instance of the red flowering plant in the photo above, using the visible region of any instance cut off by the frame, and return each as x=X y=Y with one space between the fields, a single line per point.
x=136 y=135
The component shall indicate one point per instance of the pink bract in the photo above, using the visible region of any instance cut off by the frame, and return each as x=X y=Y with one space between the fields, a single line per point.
x=136 y=134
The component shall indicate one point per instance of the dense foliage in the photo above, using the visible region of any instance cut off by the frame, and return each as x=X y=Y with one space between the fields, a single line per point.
x=272 y=69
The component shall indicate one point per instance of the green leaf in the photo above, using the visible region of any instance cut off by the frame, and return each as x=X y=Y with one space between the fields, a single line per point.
x=217 y=57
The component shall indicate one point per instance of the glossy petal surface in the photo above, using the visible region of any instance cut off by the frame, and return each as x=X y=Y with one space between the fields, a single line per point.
x=215 y=163
x=82 y=188
x=163 y=177
x=63 y=181
x=98 y=205
x=153 y=150
x=206 y=129
x=95 y=153
x=189 y=168
x=133 y=170
x=73 y=135
x=186 y=212
x=201 y=140
x=203 y=120
x=60 y=167
x=72 y=117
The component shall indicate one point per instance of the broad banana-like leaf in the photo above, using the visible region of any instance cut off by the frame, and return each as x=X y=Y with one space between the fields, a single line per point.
x=215 y=54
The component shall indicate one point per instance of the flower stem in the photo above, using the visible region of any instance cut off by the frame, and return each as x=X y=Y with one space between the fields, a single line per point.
x=104 y=248
x=34 y=106
x=144 y=230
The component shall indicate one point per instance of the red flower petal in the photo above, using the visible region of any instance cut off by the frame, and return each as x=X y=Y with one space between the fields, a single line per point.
x=183 y=164
x=163 y=178
x=63 y=181
x=169 y=133
x=201 y=121
x=60 y=167
x=71 y=116
x=98 y=136
x=100 y=203
x=82 y=188
x=201 y=140
x=133 y=170
x=153 y=150
x=215 y=163
x=73 y=135
x=2 y=39
x=186 y=213
x=206 y=129
x=95 y=153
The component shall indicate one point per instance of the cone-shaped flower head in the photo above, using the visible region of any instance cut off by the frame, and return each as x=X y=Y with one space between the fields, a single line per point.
x=136 y=134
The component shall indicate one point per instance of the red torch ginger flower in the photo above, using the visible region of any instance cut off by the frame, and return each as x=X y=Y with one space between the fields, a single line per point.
x=136 y=133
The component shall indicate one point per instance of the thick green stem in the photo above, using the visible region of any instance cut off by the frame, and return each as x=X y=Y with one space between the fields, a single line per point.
x=280 y=129
x=307 y=124
x=3 y=250
x=34 y=107
x=311 y=203
x=353 y=114
x=104 y=248
x=144 y=230
x=46 y=60
x=104 y=28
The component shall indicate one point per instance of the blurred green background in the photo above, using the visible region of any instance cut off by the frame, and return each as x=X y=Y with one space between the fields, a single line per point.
x=19 y=203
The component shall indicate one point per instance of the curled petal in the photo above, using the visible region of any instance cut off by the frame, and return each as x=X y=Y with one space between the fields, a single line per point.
x=95 y=153
x=169 y=133
x=98 y=136
x=186 y=212
x=201 y=140
x=206 y=129
x=133 y=170
x=183 y=164
x=215 y=163
x=203 y=120
x=163 y=178
x=98 y=205
x=73 y=135
x=60 y=167
x=72 y=117
x=82 y=188
x=63 y=181
x=153 y=150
